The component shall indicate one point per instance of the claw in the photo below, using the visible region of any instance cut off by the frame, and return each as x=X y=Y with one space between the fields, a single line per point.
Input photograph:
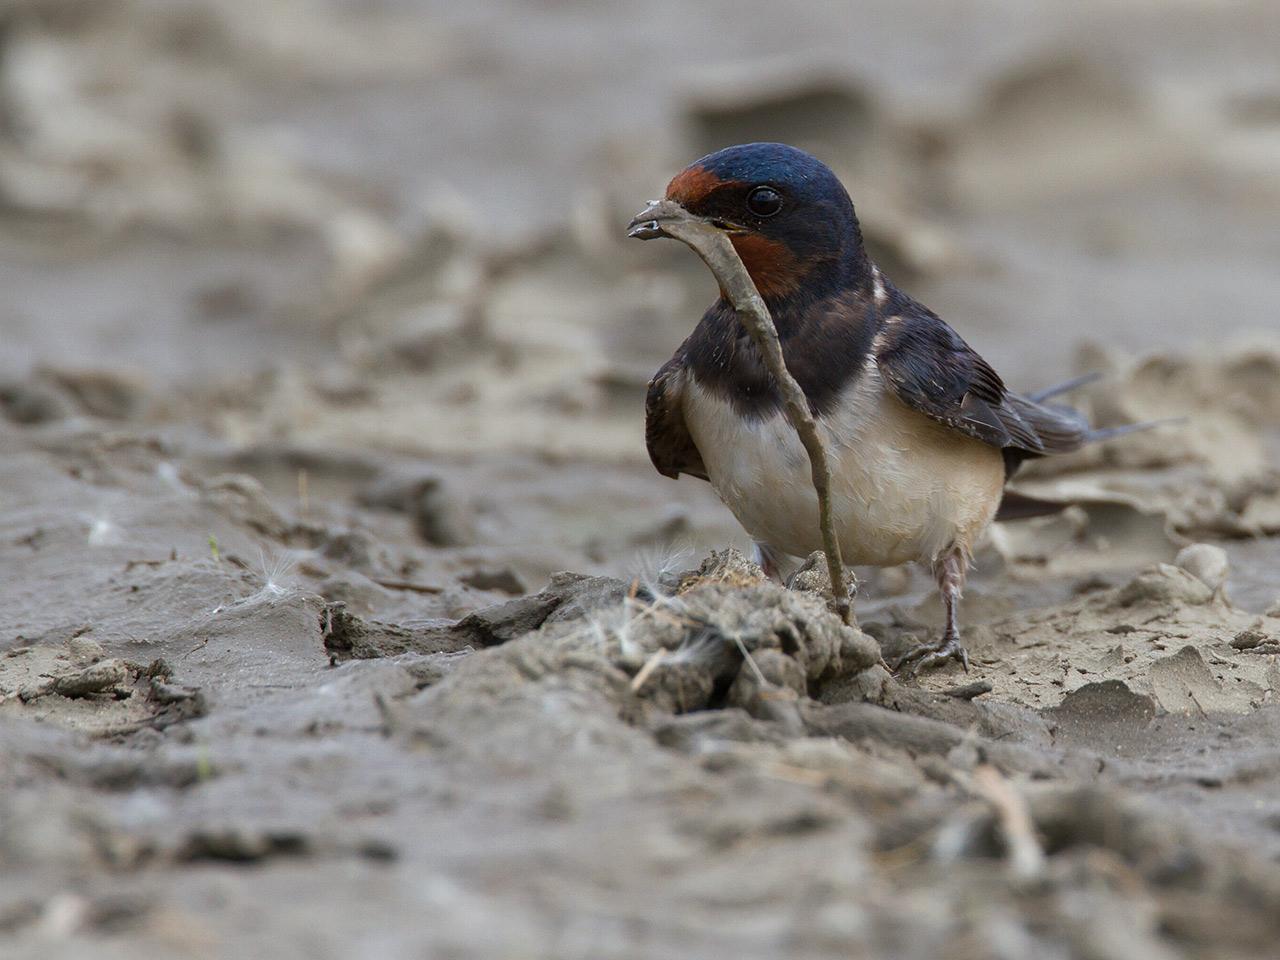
x=936 y=654
x=950 y=573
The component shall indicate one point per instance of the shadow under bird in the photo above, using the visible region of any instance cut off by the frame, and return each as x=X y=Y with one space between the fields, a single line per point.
x=921 y=433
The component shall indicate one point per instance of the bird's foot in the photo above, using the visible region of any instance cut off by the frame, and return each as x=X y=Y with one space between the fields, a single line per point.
x=926 y=656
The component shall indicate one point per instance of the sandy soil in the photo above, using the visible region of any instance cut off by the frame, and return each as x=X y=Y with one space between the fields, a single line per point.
x=342 y=615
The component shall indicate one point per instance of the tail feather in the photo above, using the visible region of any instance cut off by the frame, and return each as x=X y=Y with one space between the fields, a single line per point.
x=1059 y=429
x=1073 y=384
x=1110 y=433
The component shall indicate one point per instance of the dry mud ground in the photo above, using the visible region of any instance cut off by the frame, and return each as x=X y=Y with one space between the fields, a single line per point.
x=323 y=362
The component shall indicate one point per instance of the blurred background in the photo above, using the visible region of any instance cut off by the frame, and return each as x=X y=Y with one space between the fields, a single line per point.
x=319 y=240
x=321 y=333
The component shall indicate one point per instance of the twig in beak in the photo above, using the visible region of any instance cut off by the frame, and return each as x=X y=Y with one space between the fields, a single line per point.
x=667 y=218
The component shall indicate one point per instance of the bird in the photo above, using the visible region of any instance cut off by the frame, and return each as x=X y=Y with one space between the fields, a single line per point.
x=921 y=432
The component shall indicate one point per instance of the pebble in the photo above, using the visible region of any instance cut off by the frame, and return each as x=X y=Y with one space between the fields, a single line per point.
x=1206 y=563
x=85 y=651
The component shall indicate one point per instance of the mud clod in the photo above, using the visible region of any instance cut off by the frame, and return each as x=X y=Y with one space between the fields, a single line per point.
x=1249 y=640
x=568 y=597
x=968 y=691
x=724 y=566
x=33 y=401
x=1183 y=683
x=503 y=580
x=1107 y=701
x=236 y=845
x=734 y=644
x=441 y=515
x=346 y=635
x=1164 y=584
x=813 y=576
x=102 y=677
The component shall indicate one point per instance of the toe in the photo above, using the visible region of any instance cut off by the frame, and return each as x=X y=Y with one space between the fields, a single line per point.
x=930 y=655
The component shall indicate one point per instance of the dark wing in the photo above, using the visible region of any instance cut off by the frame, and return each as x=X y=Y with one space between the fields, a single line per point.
x=671 y=448
x=932 y=370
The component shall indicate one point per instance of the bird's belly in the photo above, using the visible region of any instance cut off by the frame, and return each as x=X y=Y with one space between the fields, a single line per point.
x=902 y=486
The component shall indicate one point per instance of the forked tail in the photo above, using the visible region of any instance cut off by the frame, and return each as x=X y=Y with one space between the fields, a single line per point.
x=1019 y=506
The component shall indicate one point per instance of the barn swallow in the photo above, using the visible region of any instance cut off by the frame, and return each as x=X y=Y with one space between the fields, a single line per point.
x=921 y=432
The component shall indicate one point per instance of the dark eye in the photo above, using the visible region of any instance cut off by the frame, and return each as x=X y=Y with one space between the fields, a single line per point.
x=764 y=201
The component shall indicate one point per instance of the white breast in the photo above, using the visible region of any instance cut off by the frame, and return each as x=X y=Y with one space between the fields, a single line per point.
x=903 y=486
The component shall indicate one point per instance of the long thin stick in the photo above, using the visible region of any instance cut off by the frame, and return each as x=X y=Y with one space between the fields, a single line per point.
x=717 y=252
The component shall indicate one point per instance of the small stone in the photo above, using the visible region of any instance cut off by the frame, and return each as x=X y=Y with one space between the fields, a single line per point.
x=1207 y=563
x=1248 y=639
x=85 y=651
x=501 y=579
x=33 y=401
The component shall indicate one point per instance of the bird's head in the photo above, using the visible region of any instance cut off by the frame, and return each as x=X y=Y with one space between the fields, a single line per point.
x=789 y=218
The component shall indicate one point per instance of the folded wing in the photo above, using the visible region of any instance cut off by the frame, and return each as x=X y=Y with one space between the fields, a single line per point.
x=931 y=369
x=671 y=447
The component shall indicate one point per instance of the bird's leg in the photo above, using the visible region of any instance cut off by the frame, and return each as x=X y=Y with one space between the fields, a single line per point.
x=769 y=560
x=949 y=570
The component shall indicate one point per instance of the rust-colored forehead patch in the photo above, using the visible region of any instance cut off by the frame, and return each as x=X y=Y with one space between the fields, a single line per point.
x=691 y=185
